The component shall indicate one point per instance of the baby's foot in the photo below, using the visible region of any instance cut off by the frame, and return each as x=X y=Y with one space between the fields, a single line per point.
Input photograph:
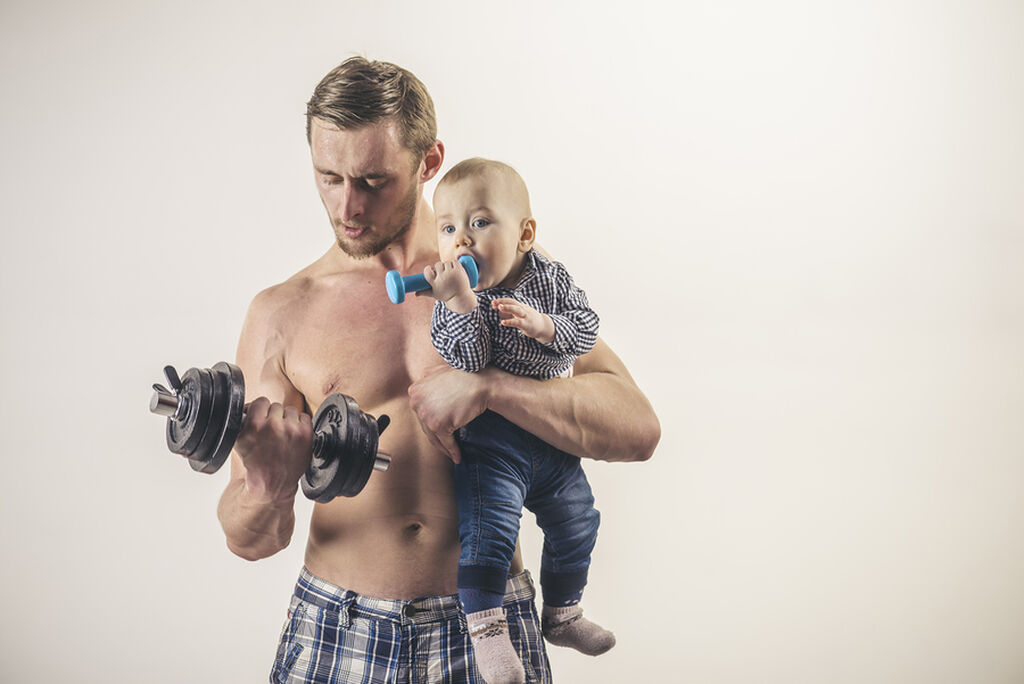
x=496 y=657
x=566 y=626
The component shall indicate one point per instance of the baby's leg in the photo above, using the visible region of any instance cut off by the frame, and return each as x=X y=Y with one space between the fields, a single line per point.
x=489 y=489
x=564 y=506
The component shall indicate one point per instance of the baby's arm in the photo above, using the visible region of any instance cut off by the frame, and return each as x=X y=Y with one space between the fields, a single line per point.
x=575 y=322
x=457 y=328
x=571 y=327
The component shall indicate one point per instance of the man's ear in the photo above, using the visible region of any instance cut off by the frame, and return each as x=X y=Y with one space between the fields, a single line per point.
x=432 y=161
x=527 y=234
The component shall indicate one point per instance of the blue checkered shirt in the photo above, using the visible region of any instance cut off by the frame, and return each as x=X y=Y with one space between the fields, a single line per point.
x=476 y=339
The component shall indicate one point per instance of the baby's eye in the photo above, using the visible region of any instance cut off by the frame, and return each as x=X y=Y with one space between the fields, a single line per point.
x=480 y=223
x=449 y=229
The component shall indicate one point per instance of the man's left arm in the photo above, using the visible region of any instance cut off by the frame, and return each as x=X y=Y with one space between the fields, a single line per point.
x=598 y=413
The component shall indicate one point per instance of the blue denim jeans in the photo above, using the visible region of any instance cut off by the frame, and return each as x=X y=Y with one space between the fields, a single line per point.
x=503 y=469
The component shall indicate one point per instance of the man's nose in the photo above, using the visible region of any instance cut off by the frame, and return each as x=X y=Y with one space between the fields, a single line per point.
x=350 y=203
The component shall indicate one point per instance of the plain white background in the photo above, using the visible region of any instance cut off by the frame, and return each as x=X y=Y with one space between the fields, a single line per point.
x=802 y=224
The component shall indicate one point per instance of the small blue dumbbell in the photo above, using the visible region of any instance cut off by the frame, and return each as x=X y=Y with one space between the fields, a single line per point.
x=398 y=285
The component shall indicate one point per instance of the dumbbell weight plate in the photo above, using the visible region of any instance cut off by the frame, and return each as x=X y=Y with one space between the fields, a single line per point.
x=344 y=451
x=201 y=458
x=225 y=418
x=185 y=432
x=331 y=426
x=360 y=456
x=361 y=450
x=236 y=410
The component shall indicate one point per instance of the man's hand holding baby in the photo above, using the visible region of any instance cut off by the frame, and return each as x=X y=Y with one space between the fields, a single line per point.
x=529 y=321
x=449 y=284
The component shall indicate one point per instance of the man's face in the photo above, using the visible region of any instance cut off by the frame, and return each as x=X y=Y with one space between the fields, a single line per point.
x=481 y=216
x=368 y=182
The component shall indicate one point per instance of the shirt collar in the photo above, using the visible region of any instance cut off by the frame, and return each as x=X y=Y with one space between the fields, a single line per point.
x=529 y=268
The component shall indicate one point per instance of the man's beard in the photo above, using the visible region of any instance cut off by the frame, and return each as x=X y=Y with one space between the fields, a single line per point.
x=375 y=242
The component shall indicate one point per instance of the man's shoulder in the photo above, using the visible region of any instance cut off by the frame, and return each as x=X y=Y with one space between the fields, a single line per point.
x=273 y=308
x=285 y=292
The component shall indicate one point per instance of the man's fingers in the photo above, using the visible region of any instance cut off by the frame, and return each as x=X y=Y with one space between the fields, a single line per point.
x=295 y=415
x=445 y=443
x=257 y=408
x=451 y=447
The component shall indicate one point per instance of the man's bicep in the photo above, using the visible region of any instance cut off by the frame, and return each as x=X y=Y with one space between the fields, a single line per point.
x=601 y=359
x=260 y=355
x=635 y=432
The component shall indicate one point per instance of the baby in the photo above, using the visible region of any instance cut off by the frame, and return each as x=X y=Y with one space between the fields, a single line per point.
x=527 y=318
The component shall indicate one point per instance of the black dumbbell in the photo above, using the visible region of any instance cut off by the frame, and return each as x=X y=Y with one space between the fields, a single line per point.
x=205 y=411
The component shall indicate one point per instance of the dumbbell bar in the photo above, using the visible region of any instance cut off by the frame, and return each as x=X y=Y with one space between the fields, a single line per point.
x=205 y=412
x=397 y=284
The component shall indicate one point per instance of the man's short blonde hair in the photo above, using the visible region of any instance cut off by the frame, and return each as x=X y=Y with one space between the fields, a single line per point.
x=360 y=92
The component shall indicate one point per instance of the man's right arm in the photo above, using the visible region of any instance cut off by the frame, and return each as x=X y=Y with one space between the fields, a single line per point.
x=257 y=509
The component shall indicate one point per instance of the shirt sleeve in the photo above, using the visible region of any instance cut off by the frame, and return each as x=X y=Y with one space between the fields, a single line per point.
x=576 y=324
x=462 y=340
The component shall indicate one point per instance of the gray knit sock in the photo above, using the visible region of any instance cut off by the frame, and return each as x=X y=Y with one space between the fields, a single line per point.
x=496 y=657
x=566 y=626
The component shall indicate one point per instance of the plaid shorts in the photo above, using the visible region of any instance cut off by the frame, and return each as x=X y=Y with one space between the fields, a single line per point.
x=334 y=636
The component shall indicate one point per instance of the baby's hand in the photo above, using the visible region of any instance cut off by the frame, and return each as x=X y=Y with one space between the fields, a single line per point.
x=528 y=320
x=449 y=283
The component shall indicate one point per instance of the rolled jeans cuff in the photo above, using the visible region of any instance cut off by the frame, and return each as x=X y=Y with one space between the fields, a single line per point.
x=561 y=587
x=485 y=577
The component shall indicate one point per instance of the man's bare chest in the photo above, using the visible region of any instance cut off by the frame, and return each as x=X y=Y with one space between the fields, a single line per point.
x=361 y=345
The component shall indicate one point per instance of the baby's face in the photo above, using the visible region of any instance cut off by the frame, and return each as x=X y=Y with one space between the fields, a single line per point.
x=480 y=216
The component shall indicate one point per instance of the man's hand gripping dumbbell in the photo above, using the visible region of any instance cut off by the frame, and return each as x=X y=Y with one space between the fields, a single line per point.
x=206 y=416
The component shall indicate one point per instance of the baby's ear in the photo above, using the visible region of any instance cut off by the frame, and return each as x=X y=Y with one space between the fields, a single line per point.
x=527 y=234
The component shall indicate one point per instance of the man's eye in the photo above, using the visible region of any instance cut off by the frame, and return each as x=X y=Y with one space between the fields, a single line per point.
x=376 y=184
x=480 y=223
x=331 y=180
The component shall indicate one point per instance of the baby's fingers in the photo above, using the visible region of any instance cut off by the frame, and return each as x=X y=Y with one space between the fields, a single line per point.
x=508 y=308
x=514 y=322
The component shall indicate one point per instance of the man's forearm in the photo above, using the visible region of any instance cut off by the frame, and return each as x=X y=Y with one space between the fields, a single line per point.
x=254 y=530
x=599 y=415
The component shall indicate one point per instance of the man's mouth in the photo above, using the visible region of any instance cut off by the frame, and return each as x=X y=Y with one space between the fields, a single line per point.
x=353 y=231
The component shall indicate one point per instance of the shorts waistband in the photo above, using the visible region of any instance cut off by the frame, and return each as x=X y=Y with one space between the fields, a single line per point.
x=319 y=592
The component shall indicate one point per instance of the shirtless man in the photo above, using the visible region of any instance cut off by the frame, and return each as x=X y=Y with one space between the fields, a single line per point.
x=381 y=567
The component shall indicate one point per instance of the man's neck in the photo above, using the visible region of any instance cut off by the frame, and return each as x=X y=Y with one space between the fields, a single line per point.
x=415 y=244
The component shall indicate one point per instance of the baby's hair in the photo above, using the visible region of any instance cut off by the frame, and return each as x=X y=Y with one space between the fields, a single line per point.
x=475 y=166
